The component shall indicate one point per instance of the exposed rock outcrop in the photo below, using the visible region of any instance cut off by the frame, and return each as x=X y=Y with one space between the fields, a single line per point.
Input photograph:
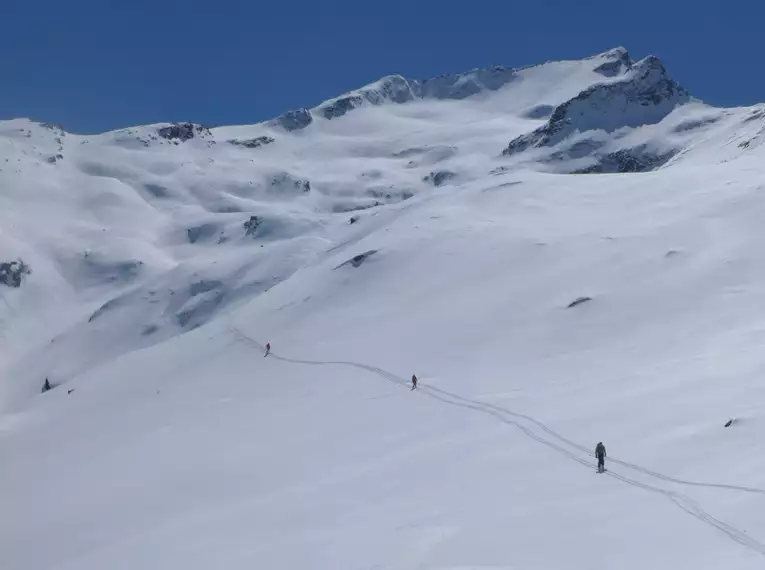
x=439 y=178
x=357 y=260
x=182 y=131
x=12 y=273
x=252 y=143
x=628 y=160
x=293 y=120
x=251 y=226
x=579 y=301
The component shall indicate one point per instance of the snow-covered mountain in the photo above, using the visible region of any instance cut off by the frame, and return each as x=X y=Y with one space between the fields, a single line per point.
x=563 y=254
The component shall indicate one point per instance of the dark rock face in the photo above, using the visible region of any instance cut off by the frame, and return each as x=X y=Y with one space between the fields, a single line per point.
x=251 y=226
x=357 y=260
x=398 y=89
x=695 y=124
x=755 y=115
x=539 y=112
x=439 y=178
x=390 y=194
x=393 y=88
x=579 y=149
x=341 y=106
x=628 y=160
x=54 y=128
x=609 y=69
x=645 y=96
x=252 y=143
x=463 y=85
x=618 y=61
x=579 y=301
x=373 y=196
x=182 y=131
x=653 y=84
x=294 y=120
x=12 y=272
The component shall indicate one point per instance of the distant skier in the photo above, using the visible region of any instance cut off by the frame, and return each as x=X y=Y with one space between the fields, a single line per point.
x=268 y=349
x=600 y=453
x=414 y=382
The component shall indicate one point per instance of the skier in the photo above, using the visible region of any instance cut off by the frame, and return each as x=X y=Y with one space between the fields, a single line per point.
x=600 y=453
x=268 y=349
x=414 y=382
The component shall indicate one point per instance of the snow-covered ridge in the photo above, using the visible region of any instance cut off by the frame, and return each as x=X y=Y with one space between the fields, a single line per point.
x=398 y=89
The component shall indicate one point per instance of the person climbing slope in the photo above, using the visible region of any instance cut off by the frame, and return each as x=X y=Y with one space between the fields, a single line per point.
x=600 y=453
x=414 y=382
x=268 y=349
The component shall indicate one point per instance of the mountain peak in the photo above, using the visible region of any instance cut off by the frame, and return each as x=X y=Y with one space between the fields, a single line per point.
x=619 y=52
x=615 y=62
x=644 y=95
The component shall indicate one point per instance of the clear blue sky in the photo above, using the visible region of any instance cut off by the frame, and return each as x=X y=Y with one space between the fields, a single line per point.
x=94 y=65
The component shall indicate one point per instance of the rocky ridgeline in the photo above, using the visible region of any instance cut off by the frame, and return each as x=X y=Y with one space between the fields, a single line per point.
x=183 y=132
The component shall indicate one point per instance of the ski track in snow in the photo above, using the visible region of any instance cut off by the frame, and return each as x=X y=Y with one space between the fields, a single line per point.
x=682 y=501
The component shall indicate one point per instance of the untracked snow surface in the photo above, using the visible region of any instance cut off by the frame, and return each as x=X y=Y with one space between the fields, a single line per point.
x=563 y=254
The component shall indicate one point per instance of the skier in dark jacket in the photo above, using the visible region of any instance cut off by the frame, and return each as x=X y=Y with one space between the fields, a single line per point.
x=414 y=382
x=600 y=453
x=268 y=349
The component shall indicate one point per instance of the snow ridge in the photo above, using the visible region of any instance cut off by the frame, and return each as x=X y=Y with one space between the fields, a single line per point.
x=645 y=96
x=398 y=89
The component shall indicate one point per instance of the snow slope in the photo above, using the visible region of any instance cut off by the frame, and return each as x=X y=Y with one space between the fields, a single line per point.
x=395 y=237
